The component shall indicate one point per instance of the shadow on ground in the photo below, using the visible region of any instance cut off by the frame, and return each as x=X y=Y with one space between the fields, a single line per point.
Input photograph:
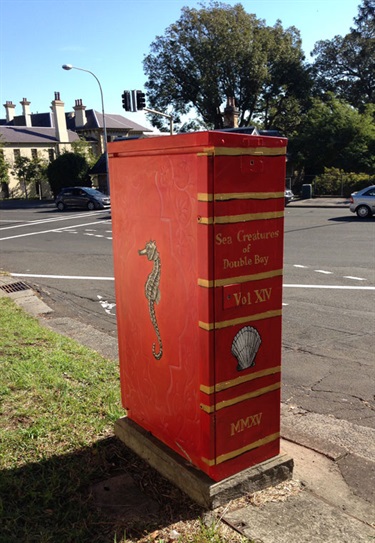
x=350 y=218
x=96 y=494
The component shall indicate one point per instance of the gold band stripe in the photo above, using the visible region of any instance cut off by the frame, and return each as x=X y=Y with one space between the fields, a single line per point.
x=208 y=326
x=240 y=279
x=243 y=151
x=230 y=219
x=224 y=385
x=219 y=197
x=233 y=401
x=228 y=456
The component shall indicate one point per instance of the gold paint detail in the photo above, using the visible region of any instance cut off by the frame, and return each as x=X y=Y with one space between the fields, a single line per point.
x=220 y=197
x=259 y=443
x=240 y=320
x=239 y=399
x=206 y=326
x=208 y=462
x=242 y=151
x=224 y=385
x=252 y=151
x=247 y=217
x=239 y=279
x=205 y=197
x=206 y=220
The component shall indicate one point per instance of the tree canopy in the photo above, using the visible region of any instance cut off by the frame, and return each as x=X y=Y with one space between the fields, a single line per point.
x=334 y=134
x=346 y=64
x=221 y=51
x=68 y=170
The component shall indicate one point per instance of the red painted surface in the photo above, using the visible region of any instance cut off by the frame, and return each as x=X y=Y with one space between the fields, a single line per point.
x=213 y=205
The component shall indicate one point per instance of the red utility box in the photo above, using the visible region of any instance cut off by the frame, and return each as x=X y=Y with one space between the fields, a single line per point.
x=198 y=254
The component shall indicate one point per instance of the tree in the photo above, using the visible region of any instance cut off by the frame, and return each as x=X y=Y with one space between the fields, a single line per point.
x=83 y=148
x=4 y=175
x=28 y=171
x=345 y=65
x=69 y=169
x=221 y=51
x=335 y=135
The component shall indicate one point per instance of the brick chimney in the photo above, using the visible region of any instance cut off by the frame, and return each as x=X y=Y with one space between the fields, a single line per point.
x=59 y=119
x=80 y=117
x=9 y=108
x=231 y=113
x=26 y=111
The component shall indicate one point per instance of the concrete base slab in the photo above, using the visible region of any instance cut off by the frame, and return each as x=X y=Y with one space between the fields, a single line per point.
x=196 y=484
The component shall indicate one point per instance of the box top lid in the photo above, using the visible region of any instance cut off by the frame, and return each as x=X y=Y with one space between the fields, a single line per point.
x=208 y=142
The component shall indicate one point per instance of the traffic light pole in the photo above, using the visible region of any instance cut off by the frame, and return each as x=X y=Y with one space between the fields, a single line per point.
x=135 y=101
x=170 y=117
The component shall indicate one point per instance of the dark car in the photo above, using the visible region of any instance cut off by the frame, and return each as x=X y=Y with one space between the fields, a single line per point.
x=82 y=197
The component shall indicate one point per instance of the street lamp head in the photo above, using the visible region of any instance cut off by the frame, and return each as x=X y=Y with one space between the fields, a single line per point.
x=67 y=66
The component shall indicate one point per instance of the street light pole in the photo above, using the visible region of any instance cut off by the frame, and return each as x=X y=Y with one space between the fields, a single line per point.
x=70 y=67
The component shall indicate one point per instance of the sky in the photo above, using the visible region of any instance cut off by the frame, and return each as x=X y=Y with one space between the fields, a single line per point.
x=111 y=38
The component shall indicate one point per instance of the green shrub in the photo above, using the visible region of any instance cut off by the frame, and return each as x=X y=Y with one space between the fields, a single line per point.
x=338 y=182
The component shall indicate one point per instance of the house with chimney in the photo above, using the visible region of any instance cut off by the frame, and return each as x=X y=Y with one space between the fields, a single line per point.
x=47 y=135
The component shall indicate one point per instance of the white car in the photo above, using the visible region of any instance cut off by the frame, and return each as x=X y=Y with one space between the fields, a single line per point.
x=363 y=202
x=289 y=196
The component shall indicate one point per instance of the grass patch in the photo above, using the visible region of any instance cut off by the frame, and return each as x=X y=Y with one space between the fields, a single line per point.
x=58 y=403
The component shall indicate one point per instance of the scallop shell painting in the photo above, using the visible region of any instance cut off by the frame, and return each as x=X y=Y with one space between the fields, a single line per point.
x=245 y=346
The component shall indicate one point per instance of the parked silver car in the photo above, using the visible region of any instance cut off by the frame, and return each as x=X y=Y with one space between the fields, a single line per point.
x=363 y=202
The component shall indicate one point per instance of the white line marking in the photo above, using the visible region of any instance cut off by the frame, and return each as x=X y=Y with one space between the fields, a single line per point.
x=53 y=230
x=13 y=220
x=323 y=271
x=52 y=219
x=106 y=305
x=300 y=266
x=354 y=278
x=337 y=287
x=91 y=278
x=84 y=277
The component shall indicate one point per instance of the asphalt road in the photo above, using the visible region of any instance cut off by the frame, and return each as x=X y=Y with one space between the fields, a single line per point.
x=329 y=280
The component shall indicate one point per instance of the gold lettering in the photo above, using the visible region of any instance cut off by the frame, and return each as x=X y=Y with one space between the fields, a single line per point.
x=263 y=295
x=242 y=299
x=240 y=263
x=242 y=424
x=223 y=240
x=243 y=236
x=261 y=260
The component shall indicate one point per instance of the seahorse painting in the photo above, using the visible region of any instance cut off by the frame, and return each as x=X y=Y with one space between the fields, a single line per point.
x=152 y=291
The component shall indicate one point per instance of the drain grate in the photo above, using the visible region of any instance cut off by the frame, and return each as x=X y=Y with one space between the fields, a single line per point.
x=14 y=287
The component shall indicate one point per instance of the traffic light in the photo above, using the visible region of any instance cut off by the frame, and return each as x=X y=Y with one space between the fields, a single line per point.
x=141 y=100
x=126 y=101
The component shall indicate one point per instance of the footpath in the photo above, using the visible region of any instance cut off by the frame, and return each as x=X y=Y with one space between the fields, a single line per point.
x=331 y=497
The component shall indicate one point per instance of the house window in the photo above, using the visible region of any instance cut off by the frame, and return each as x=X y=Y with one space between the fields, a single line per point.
x=16 y=153
x=34 y=153
x=51 y=155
